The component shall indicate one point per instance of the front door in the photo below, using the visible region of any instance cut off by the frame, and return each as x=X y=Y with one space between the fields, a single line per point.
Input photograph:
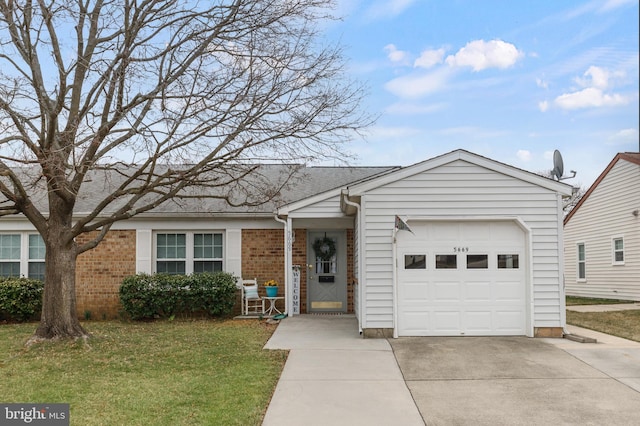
x=327 y=271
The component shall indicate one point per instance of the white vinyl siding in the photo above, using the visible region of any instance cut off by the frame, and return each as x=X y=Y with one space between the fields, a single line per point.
x=462 y=189
x=607 y=213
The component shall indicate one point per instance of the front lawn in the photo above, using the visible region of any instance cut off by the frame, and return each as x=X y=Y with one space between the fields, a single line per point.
x=576 y=300
x=200 y=372
x=624 y=324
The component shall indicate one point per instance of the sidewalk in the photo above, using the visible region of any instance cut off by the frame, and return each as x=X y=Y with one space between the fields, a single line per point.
x=335 y=377
x=614 y=356
x=604 y=308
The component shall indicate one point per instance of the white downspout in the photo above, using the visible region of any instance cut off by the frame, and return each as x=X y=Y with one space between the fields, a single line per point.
x=360 y=270
x=394 y=251
x=287 y=260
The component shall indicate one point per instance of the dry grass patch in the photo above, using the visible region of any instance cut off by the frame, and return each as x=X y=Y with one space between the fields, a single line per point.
x=624 y=324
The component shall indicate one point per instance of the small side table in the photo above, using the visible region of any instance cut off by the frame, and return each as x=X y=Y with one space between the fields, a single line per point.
x=272 y=309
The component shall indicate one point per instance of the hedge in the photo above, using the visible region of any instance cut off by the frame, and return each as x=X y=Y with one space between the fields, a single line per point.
x=20 y=299
x=145 y=296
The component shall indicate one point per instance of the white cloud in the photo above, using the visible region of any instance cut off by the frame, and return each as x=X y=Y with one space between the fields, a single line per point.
x=480 y=55
x=396 y=56
x=418 y=85
x=541 y=83
x=524 y=155
x=543 y=106
x=624 y=136
x=429 y=58
x=594 y=77
x=589 y=98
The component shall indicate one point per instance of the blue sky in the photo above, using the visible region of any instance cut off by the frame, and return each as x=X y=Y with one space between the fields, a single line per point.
x=510 y=80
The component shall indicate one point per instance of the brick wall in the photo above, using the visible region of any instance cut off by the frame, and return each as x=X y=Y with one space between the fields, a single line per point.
x=99 y=273
x=263 y=258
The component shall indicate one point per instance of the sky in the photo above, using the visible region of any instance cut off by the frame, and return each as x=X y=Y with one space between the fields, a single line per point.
x=512 y=80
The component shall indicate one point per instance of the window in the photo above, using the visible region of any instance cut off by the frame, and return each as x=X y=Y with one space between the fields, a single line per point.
x=618 y=251
x=415 y=261
x=477 y=261
x=508 y=261
x=187 y=252
x=207 y=252
x=582 y=263
x=446 y=261
x=22 y=255
x=10 y=255
x=36 y=257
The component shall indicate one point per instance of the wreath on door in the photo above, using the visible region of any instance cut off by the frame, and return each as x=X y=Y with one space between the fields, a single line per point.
x=324 y=248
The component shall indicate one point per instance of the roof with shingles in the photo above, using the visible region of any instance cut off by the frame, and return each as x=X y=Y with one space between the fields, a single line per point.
x=632 y=157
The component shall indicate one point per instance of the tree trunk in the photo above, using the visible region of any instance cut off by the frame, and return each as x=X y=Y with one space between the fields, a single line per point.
x=59 y=317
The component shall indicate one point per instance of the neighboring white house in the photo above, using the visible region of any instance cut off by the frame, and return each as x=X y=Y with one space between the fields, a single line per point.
x=602 y=235
x=484 y=255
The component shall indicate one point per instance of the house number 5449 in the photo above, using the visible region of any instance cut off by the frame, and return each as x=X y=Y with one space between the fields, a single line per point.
x=460 y=249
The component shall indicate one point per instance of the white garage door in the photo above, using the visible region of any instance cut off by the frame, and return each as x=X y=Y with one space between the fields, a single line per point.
x=461 y=279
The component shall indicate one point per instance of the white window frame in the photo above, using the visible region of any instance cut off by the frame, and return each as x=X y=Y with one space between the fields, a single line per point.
x=30 y=259
x=190 y=258
x=614 y=251
x=24 y=259
x=583 y=261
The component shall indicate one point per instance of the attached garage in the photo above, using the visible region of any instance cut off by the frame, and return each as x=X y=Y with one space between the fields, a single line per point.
x=483 y=256
x=462 y=278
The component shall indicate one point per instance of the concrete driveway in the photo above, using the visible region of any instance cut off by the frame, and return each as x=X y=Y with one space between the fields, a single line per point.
x=521 y=381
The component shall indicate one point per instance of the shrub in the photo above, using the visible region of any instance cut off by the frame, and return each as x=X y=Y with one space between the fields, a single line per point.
x=20 y=299
x=145 y=296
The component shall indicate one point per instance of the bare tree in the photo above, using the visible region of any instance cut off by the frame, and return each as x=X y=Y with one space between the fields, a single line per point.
x=569 y=203
x=167 y=99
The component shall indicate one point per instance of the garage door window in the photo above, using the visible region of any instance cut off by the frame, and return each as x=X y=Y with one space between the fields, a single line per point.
x=508 y=261
x=477 y=261
x=415 y=261
x=446 y=261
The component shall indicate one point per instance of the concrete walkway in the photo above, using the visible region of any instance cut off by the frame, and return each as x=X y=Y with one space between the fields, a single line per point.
x=335 y=377
x=604 y=308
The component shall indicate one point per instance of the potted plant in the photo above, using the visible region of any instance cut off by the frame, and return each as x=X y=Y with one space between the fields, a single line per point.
x=271 y=287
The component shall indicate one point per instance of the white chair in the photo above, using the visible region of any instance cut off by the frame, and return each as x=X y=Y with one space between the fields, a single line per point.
x=252 y=303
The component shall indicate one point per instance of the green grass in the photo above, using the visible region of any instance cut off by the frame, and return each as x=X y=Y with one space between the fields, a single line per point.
x=624 y=324
x=161 y=373
x=575 y=300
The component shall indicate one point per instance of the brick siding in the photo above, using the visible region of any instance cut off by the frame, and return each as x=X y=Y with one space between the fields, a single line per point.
x=99 y=273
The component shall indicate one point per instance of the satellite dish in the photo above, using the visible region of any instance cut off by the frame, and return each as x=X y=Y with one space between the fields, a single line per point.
x=558 y=165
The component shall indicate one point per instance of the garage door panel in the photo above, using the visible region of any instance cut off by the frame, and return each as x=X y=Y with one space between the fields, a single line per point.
x=447 y=321
x=475 y=232
x=478 y=292
x=415 y=323
x=414 y=292
x=478 y=322
x=510 y=321
x=511 y=292
x=444 y=292
x=488 y=298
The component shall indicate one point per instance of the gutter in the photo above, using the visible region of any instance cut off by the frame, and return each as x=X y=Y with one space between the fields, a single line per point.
x=287 y=261
x=345 y=198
